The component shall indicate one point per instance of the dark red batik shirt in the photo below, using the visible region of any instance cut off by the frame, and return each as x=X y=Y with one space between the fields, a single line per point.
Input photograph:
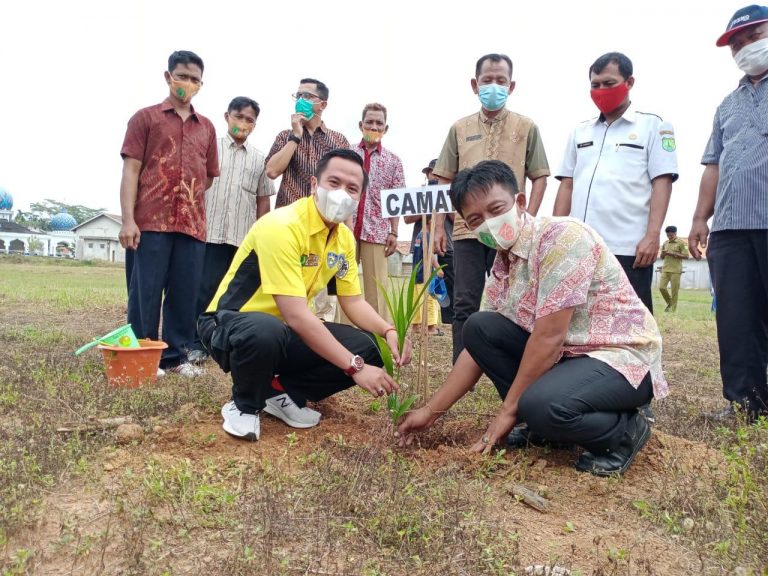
x=177 y=157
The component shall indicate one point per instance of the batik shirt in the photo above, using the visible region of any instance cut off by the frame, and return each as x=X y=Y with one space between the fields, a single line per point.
x=560 y=263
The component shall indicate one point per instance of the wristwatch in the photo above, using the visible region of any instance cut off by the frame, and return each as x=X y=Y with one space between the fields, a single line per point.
x=294 y=138
x=355 y=365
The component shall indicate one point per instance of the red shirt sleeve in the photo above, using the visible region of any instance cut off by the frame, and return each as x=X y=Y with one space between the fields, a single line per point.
x=136 y=136
x=212 y=163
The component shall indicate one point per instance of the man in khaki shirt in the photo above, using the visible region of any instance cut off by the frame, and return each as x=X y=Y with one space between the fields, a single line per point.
x=674 y=251
x=492 y=133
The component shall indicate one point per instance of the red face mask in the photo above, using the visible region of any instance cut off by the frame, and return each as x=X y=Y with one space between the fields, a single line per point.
x=608 y=99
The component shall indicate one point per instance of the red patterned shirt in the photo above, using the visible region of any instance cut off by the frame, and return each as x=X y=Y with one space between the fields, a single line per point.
x=385 y=172
x=295 y=183
x=559 y=263
x=177 y=157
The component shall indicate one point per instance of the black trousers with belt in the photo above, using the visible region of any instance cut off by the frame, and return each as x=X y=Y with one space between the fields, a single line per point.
x=738 y=263
x=255 y=347
x=581 y=399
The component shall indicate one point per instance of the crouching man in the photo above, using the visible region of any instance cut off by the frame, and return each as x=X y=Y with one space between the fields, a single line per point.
x=571 y=349
x=259 y=325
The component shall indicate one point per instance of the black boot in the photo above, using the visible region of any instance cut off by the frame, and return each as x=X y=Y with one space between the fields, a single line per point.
x=616 y=462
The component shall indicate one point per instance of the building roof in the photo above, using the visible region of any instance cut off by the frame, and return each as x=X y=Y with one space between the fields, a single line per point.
x=114 y=217
x=14 y=228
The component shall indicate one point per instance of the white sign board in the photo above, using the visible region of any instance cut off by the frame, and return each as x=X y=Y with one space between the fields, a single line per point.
x=416 y=201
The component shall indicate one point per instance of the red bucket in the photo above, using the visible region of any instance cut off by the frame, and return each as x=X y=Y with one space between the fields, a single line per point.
x=133 y=367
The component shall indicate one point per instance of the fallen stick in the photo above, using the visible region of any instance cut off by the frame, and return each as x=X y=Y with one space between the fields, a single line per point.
x=529 y=497
x=95 y=424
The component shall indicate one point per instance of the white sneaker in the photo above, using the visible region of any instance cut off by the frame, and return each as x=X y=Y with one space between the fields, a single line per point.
x=187 y=370
x=284 y=408
x=239 y=424
x=160 y=372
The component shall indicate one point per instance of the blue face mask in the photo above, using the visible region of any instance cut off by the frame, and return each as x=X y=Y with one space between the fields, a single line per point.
x=493 y=96
x=304 y=107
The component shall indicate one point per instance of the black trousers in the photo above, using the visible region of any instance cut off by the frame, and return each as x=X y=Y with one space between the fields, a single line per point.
x=738 y=263
x=581 y=399
x=472 y=262
x=164 y=272
x=216 y=262
x=446 y=314
x=640 y=278
x=255 y=347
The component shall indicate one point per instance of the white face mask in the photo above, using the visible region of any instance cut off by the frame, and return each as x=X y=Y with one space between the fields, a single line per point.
x=335 y=205
x=753 y=58
x=500 y=232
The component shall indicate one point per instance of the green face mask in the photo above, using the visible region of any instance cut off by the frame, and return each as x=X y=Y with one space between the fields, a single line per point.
x=304 y=107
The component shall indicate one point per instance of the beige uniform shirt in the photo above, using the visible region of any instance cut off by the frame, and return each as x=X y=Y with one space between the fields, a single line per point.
x=512 y=138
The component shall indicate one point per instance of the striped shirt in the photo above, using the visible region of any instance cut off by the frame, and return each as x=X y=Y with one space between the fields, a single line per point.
x=230 y=203
x=739 y=145
x=295 y=183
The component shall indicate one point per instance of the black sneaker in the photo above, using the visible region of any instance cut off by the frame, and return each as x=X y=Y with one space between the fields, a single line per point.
x=616 y=462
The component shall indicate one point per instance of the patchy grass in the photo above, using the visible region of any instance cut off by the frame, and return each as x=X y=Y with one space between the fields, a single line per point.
x=340 y=499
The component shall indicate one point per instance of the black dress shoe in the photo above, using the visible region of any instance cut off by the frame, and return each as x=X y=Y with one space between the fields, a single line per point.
x=522 y=437
x=617 y=462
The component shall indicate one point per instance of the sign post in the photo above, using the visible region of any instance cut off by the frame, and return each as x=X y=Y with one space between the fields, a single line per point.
x=425 y=200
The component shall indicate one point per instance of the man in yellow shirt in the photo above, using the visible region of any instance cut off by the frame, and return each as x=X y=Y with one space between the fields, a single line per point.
x=674 y=251
x=259 y=325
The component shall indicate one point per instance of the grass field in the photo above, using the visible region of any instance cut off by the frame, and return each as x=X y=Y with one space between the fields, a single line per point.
x=182 y=497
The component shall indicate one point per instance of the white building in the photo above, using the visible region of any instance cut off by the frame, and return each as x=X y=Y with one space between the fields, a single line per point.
x=97 y=238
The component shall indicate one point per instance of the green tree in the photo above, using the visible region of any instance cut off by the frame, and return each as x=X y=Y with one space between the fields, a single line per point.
x=40 y=213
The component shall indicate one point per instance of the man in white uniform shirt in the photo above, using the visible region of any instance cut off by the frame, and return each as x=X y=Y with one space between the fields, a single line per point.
x=617 y=173
x=235 y=200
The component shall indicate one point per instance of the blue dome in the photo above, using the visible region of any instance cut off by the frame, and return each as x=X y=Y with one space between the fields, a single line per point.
x=6 y=200
x=63 y=221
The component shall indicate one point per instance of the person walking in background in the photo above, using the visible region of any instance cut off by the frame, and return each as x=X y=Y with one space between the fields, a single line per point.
x=169 y=160
x=237 y=198
x=673 y=251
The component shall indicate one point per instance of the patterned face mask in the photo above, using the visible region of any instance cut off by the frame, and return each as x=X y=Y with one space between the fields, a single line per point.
x=184 y=90
x=500 y=232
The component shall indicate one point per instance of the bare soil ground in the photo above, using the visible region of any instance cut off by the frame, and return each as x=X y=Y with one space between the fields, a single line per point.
x=185 y=498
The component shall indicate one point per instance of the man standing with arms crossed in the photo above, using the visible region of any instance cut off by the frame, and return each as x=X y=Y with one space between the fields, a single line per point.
x=492 y=133
x=734 y=188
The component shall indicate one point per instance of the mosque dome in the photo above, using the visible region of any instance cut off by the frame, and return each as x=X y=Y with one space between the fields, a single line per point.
x=63 y=222
x=6 y=200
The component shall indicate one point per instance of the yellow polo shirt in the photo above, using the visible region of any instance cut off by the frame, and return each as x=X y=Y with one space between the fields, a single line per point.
x=288 y=252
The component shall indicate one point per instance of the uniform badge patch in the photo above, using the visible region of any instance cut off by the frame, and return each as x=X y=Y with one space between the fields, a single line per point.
x=632 y=136
x=668 y=143
x=333 y=259
x=662 y=132
x=343 y=268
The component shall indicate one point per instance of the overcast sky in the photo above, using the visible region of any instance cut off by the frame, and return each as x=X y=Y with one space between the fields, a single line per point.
x=75 y=71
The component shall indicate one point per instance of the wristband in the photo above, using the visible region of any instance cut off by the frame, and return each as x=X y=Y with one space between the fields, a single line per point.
x=388 y=330
x=393 y=234
x=294 y=138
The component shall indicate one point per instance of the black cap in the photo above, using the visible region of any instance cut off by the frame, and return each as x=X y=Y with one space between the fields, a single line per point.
x=747 y=16
x=671 y=229
x=430 y=167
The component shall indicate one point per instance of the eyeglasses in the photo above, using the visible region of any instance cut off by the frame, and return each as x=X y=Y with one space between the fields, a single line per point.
x=305 y=96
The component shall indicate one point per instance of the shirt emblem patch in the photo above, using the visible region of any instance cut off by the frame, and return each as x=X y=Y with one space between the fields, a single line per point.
x=668 y=143
x=309 y=260
x=343 y=268
x=333 y=259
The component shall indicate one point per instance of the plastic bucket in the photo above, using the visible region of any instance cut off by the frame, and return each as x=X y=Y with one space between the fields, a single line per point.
x=133 y=367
